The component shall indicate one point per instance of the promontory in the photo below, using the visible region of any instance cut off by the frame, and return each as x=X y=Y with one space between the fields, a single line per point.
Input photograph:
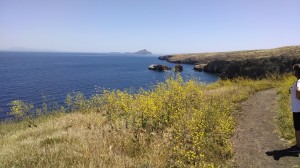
x=246 y=63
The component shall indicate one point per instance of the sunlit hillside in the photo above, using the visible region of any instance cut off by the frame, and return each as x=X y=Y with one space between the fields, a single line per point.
x=291 y=51
x=176 y=124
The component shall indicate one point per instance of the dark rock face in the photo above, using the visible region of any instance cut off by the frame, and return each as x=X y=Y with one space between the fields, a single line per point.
x=199 y=67
x=157 y=67
x=252 y=68
x=178 y=68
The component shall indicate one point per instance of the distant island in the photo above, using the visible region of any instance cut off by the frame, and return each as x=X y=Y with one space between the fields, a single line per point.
x=144 y=51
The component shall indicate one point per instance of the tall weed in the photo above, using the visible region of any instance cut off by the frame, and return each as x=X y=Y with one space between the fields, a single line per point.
x=180 y=123
x=285 y=120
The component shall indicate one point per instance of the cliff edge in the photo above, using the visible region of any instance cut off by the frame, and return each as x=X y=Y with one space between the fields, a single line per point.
x=248 y=63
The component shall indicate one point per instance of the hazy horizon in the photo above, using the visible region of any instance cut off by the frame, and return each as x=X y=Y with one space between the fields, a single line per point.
x=116 y=52
x=162 y=27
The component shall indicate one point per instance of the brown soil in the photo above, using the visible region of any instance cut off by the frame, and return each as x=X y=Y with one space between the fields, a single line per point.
x=256 y=142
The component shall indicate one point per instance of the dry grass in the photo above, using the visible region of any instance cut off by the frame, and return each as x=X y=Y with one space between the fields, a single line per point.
x=284 y=120
x=80 y=140
x=177 y=124
x=235 y=55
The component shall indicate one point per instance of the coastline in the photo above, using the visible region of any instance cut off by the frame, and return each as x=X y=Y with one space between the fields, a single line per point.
x=255 y=64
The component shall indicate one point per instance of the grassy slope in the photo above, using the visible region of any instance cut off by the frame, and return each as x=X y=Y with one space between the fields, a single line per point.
x=177 y=124
x=284 y=119
x=235 y=55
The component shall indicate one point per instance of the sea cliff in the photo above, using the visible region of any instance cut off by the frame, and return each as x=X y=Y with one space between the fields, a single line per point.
x=249 y=63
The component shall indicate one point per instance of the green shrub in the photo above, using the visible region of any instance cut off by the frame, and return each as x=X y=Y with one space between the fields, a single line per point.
x=191 y=121
x=20 y=109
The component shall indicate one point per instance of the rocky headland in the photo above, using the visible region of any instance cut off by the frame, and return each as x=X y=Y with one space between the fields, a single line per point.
x=248 y=63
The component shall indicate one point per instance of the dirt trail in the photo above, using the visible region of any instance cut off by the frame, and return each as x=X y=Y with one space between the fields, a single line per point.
x=256 y=142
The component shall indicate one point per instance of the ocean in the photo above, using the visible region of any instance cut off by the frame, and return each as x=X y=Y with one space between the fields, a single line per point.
x=36 y=76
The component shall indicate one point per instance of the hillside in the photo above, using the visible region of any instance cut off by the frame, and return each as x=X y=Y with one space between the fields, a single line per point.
x=233 y=55
x=169 y=126
x=250 y=63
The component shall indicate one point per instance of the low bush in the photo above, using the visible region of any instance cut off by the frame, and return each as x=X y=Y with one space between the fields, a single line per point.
x=176 y=124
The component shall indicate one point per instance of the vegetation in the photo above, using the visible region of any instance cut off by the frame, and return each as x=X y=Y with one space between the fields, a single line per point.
x=285 y=118
x=204 y=58
x=176 y=124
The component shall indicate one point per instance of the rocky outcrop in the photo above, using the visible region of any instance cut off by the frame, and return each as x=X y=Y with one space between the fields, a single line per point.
x=252 y=68
x=207 y=57
x=158 y=67
x=178 y=68
x=199 y=67
x=177 y=61
x=248 y=63
x=166 y=57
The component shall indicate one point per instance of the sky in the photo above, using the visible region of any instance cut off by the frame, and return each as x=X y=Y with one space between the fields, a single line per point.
x=160 y=26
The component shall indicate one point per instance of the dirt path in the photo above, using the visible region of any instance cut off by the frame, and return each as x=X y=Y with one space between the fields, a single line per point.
x=255 y=142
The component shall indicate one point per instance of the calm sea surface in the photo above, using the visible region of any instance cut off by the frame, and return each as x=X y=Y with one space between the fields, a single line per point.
x=31 y=76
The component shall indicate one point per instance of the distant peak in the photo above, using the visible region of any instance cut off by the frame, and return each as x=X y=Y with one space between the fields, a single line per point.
x=144 y=51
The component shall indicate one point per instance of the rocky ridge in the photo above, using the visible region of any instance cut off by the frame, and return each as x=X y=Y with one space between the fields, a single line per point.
x=250 y=63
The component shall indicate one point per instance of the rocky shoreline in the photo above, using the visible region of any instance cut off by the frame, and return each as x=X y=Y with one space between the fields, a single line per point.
x=243 y=63
x=252 y=68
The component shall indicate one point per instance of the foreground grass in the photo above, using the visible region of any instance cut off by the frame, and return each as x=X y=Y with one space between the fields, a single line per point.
x=285 y=118
x=177 y=124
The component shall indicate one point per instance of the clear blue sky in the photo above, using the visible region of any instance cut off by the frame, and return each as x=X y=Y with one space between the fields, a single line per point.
x=161 y=26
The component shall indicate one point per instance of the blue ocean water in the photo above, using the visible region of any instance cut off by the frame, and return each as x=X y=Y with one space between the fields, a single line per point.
x=30 y=76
